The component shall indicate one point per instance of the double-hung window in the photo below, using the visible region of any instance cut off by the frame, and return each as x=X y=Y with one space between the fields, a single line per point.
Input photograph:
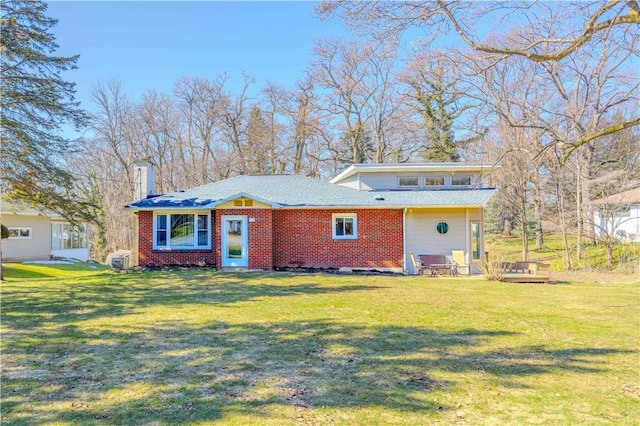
x=182 y=231
x=345 y=226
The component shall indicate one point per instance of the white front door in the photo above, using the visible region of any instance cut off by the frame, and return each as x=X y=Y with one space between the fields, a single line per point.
x=235 y=242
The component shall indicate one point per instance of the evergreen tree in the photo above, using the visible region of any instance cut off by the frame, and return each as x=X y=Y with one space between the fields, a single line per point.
x=35 y=103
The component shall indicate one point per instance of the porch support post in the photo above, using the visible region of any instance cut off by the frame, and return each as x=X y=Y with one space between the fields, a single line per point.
x=404 y=241
x=467 y=240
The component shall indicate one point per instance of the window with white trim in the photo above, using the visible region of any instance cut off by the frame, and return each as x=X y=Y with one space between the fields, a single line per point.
x=460 y=180
x=408 y=181
x=434 y=181
x=475 y=240
x=182 y=230
x=19 y=233
x=345 y=226
x=65 y=236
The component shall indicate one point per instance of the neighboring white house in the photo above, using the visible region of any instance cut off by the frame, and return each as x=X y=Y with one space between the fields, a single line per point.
x=39 y=235
x=618 y=216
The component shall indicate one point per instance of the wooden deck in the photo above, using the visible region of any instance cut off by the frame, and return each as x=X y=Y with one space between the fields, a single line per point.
x=526 y=272
x=516 y=277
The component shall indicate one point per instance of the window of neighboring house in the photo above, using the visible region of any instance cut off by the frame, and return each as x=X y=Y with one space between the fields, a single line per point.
x=461 y=180
x=408 y=182
x=65 y=236
x=434 y=181
x=623 y=212
x=475 y=240
x=345 y=226
x=181 y=231
x=442 y=227
x=19 y=233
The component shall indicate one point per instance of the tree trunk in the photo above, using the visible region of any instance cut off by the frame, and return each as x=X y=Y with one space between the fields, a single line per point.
x=506 y=227
x=579 y=218
x=525 y=231
x=537 y=209
x=568 y=264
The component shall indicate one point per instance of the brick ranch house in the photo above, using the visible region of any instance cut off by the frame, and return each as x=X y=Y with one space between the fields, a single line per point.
x=369 y=217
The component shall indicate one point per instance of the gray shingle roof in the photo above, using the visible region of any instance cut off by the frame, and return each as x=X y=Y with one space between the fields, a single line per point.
x=299 y=191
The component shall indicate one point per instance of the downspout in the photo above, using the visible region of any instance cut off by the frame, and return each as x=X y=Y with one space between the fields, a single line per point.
x=404 y=241
x=467 y=242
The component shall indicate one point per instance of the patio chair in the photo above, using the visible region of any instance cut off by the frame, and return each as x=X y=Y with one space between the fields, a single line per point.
x=461 y=262
x=417 y=265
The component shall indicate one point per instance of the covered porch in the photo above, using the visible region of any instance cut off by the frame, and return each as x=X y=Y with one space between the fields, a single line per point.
x=455 y=233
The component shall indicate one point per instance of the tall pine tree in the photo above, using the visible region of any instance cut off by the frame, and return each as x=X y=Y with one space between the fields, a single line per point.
x=35 y=103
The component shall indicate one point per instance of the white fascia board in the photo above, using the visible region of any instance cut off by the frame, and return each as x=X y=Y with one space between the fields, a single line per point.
x=345 y=174
x=164 y=208
x=386 y=206
x=414 y=167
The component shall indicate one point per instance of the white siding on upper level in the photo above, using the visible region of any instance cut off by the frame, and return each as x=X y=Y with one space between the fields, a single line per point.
x=350 y=182
x=390 y=181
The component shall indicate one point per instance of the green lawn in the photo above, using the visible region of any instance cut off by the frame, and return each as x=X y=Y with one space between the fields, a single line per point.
x=88 y=346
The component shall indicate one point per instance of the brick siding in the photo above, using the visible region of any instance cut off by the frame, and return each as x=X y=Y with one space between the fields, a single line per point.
x=147 y=256
x=292 y=238
x=260 y=236
x=303 y=238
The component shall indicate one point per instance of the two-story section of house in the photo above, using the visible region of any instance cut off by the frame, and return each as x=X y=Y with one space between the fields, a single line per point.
x=443 y=205
x=369 y=217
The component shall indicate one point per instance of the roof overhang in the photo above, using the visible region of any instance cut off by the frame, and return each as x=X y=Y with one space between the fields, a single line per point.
x=244 y=195
x=483 y=168
x=167 y=204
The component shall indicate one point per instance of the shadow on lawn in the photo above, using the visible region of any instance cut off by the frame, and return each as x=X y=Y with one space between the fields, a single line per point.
x=173 y=373
x=116 y=295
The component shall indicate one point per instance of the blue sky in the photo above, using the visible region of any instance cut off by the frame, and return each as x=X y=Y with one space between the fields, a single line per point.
x=151 y=45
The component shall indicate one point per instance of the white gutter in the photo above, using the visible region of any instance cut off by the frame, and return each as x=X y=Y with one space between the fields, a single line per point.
x=323 y=207
x=404 y=241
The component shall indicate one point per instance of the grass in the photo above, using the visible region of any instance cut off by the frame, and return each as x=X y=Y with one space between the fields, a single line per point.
x=626 y=256
x=197 y=347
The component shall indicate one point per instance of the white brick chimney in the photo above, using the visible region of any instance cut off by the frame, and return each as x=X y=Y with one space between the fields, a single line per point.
x=144 y=179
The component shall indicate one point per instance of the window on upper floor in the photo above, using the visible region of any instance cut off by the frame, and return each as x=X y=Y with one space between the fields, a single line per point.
x=434 y=181
x=460 y=180
x=408 y=182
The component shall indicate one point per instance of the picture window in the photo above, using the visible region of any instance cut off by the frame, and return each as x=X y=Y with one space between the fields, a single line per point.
x=65 y=236
x=182 y=231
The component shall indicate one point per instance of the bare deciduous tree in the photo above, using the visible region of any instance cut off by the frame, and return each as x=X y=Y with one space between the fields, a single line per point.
x=543 y=32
